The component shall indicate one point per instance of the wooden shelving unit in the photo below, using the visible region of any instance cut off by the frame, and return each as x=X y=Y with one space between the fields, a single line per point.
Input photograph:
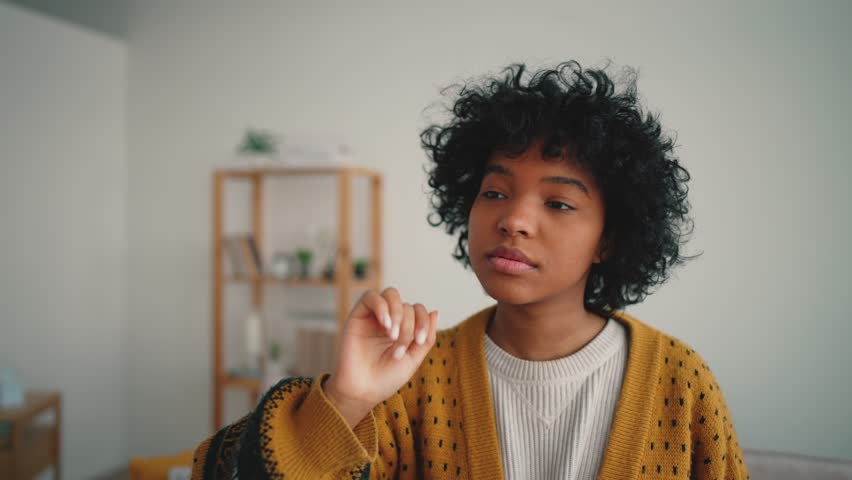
x=344 y=283
x=33 y=447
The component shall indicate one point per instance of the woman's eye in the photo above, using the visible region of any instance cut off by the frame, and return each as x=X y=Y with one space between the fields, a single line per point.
x=493 y=195
x=559 y=205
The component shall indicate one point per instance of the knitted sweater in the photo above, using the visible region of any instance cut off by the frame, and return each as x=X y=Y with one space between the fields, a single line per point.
x=671 y=421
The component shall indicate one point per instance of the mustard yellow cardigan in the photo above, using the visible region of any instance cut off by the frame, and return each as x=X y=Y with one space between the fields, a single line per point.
x=671 y=422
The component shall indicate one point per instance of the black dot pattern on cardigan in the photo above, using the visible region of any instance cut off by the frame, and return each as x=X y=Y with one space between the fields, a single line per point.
x=690 y=395
x=427 y=410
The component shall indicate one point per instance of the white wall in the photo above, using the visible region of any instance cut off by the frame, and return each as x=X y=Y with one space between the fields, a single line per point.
x=757 y=92
x=62 y=211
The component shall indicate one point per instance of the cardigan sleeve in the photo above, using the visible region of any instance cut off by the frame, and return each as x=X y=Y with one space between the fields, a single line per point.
x=294 y=432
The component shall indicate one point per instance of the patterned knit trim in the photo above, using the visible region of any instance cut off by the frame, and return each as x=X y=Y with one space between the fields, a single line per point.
x=244 y=449
x=257 y=459
x=221 y=452
x=256 y=454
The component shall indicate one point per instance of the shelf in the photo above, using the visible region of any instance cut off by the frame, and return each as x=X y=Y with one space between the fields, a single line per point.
x=359 y=283
x=344 y=285
x=39 y=451
x=33 y=446
x=275 y=171
x=35 y=403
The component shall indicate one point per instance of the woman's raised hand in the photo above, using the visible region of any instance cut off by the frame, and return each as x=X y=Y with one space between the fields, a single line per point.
x=383 y=343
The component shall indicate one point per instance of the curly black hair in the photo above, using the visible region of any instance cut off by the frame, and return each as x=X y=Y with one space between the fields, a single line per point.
x=644 y=186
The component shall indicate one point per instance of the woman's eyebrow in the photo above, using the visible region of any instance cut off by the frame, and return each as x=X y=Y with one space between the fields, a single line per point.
x=501 y=170
x=567 y=181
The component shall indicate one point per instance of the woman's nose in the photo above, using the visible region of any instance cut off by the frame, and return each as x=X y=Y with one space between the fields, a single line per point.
x=516 y=221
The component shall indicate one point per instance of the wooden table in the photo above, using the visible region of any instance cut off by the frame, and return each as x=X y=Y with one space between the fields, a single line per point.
x=33 y=447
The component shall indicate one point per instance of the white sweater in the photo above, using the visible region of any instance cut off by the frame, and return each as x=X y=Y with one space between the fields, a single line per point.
x=553 y=417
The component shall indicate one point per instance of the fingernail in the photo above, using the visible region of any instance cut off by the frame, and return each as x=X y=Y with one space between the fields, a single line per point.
x=421 y=337
x=395 y=332
x=399 y=353
x=387 y=321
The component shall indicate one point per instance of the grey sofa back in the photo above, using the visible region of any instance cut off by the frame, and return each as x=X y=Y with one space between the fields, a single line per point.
x=764 y=465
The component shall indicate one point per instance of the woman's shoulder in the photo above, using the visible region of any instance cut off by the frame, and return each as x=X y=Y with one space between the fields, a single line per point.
x=679 y=365
x=682 y=390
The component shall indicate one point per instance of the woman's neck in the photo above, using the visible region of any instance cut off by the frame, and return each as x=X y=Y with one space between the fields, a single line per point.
x=542 y=332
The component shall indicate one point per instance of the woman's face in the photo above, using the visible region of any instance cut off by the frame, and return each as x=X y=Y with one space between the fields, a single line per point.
x=535 y=228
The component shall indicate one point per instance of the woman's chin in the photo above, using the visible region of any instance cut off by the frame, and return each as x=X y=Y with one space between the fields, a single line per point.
x=508 y=292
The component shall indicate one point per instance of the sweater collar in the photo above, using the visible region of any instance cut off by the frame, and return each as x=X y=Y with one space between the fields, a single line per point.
x=632 y=416
x=571 y=368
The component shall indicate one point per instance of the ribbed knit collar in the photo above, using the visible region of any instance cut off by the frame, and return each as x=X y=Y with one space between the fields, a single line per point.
x=574 y=367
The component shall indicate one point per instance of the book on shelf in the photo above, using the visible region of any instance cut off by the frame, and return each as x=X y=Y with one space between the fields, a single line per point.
x=243 y=255
x=255 y=254
x=232 y=252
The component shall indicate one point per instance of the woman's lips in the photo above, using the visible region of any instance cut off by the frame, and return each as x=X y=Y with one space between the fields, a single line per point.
x=510 y=267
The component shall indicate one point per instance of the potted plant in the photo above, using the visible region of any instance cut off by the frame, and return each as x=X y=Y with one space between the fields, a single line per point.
x=305 y=256
x=274 y=352
x=258 y=145
x=359 y=268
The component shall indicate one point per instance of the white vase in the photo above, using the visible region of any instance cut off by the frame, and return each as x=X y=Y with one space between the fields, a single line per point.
x=253 y=341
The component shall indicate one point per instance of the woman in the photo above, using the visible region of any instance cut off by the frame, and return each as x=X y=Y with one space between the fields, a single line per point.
x=568 y=205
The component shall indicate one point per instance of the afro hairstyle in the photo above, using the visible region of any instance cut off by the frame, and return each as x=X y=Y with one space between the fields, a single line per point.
x=576 y=110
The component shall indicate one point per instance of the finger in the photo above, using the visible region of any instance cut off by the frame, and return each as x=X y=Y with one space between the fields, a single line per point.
x=419 y=352
x=406 y=333
x=394 y=302
x=421 y=324
x=433 y=328
x=373 y=303
x=407 y=317
x=422 y=329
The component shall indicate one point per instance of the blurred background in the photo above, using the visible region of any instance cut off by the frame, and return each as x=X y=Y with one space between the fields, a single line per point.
x=114 y=116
